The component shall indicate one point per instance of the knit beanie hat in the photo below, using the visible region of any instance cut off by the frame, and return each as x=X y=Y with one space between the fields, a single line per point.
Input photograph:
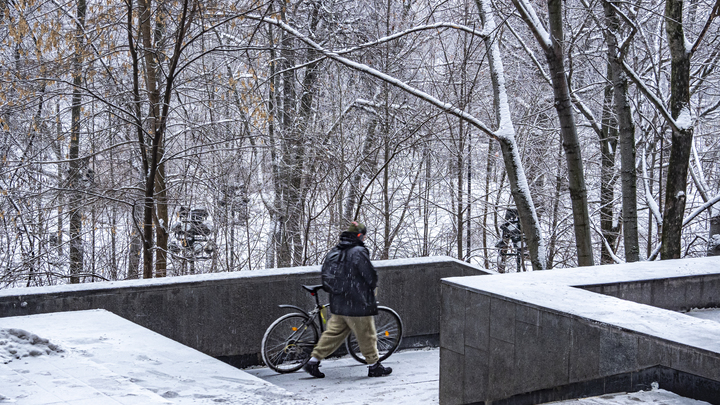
x=357 y=228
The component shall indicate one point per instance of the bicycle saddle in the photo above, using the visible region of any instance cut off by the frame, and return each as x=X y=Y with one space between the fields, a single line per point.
x=313 y=289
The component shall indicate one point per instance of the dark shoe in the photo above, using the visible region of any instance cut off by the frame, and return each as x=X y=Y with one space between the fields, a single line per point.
x=314 y=370
x=378 y=370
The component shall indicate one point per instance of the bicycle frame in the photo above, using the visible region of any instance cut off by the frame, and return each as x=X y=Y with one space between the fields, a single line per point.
x=312 y=315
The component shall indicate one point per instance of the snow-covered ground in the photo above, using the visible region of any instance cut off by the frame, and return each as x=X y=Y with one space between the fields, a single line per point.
x=414 y=381
x=95 y=357
x=98 y=358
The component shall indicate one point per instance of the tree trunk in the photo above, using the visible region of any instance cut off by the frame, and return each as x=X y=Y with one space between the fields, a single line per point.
x=460 y=207
x=287 y=57
x=651 y=180
x=555 y=211
x=134 y=253
x=511 y=156
x=426 y=203
x=155 y=191
x=161 y=219
x=468 y=205
x=154 y=82
x=273 y=239
x=568 y=130
x=61 y=200
x=291 y=173
x=365 y=167
x=154 y=98
x=714 y=237
x=682 y=136
x=75 y=164
x=299 y=186
x=387 y=218
x=608 y=146
x=626 y=129
x=488 y=176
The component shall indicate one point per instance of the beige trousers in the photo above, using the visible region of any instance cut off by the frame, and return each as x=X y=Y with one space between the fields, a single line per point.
x=339 y=327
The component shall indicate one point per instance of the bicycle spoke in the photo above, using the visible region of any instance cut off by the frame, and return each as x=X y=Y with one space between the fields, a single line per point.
x=277 y=357
x=288 y=342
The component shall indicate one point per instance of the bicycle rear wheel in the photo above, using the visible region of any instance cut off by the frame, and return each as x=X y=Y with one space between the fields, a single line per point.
x=389 y=334
x=288 y=342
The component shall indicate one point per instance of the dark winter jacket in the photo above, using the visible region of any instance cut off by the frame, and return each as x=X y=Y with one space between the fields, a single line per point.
x=359 y=300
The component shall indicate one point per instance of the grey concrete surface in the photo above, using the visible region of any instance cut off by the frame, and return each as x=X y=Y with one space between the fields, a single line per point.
x=545 y=336
x=225 y=315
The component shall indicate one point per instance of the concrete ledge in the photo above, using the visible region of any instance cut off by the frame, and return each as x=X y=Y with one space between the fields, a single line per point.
x=683 y=384
x=515 y=335
x=225 y=314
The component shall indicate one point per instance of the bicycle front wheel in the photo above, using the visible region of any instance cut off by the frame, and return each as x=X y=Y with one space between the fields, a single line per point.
x=388 y=326
x=288 y=342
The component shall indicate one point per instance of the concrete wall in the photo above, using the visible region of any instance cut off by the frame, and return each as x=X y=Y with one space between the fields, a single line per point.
x=225 y=314
x=535 y=338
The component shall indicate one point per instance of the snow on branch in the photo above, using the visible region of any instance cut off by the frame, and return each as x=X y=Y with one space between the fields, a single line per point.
x=585 y=111
x=624 y=43
x=687 y=220
x=359 y=103
x=447 y=107
x=701 y=208
x=379 y=41
x=699 y=177
x=528 y=14
x=648 y=195
x=652 y=97
x=609 y=248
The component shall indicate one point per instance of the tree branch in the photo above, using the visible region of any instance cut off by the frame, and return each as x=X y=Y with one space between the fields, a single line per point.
x=650 y=96
x=447 y=107
x=687 y=220
x=527 y=12
x=715 y=13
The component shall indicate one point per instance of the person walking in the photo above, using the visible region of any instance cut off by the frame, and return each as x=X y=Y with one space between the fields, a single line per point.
x=350 y=279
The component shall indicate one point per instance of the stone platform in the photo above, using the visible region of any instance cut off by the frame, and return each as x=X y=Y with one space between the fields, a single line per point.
x=530 y=338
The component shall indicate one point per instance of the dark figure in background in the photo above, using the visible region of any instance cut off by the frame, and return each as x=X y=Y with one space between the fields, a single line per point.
x=351 y=280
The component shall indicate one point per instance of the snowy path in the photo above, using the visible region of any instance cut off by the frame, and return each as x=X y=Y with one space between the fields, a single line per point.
x=414 y=381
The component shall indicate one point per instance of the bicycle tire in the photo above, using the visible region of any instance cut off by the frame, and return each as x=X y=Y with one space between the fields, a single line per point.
x=389 y=335
x=288 y=342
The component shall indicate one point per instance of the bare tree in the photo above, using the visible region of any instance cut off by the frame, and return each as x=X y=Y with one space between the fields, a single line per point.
x=552 y=44
x=77 y=165
x=626 y=130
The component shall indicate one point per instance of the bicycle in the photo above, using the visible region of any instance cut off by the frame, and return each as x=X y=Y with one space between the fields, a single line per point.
x=289 y=341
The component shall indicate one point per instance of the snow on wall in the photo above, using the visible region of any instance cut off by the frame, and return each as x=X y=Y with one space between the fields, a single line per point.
x=554 y=290
x=10 y=292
